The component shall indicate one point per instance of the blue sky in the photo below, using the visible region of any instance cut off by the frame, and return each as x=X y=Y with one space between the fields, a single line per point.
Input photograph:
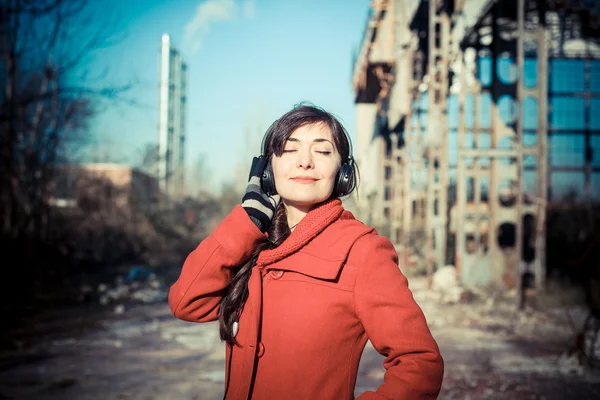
x=249 y=61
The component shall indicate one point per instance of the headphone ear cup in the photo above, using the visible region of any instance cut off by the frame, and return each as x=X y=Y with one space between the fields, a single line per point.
x=268 y=181
x=345 y=178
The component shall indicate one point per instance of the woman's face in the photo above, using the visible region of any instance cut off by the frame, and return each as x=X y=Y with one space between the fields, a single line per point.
x=305 y=173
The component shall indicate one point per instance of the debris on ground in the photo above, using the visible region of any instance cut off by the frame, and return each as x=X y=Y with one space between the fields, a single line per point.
x=138 y=285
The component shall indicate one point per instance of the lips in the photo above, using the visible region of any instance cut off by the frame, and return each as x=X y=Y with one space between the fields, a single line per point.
x=304 y=179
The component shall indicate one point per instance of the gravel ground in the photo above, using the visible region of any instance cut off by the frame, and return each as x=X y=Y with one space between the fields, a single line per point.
x=139 y=351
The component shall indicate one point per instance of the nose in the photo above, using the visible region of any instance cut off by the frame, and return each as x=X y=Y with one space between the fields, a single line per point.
x=305 y=159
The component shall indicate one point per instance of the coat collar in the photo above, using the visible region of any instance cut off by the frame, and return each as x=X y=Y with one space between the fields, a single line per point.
x=310 y=226
x=322 y=258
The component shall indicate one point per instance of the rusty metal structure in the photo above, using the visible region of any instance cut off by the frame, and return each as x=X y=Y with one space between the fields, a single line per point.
x=463 y=112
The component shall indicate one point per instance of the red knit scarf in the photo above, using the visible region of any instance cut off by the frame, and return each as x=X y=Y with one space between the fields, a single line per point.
x=310 y=226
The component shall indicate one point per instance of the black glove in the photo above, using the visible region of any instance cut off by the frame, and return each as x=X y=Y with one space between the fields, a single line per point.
x=257 y=204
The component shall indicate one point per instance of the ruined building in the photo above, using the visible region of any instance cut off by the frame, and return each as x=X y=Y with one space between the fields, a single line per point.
x=475 y=120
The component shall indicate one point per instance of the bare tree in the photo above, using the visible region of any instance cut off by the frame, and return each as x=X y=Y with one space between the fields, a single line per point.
x=199 y=181
x=46 y=102
x=148 y=159
x=49 y=90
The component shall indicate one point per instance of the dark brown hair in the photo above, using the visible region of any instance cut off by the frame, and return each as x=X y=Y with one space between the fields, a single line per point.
x=302 y=114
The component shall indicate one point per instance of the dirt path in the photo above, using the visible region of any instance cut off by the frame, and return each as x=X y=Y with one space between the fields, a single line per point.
x=145 y=353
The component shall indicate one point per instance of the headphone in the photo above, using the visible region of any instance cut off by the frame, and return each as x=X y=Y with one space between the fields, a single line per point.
x=345 y=179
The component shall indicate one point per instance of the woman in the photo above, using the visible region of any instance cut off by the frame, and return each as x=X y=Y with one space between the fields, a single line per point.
x=299 y=286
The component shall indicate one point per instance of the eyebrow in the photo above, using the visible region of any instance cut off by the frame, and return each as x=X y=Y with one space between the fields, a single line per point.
x=317 y=140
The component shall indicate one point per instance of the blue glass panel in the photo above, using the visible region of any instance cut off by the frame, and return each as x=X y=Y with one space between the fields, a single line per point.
x=529 y=160
x=506 y=143
x=485 y=110
x=567 y=113
x=484 y=70
x=595 y=76
x=595 y=113
x=484 y=140
x=567 y=150
x=529 y=139
x=469 y=110
x=424 y=99
x=530 y=72
x=595 y=145
x=452 y=174
x=506 y=70
x=453 y=111
x=567 y=75
x=506 y=109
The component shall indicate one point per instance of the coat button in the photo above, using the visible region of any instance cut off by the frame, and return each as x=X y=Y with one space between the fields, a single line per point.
x=276 y=273
x=261 y=350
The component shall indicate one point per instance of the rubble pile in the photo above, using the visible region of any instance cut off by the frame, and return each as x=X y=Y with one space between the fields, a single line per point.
x=548 y=333
x=139 y=285
x=446 y=286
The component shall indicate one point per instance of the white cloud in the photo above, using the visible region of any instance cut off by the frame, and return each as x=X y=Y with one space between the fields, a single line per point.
x=210 y=12
x=249 y=8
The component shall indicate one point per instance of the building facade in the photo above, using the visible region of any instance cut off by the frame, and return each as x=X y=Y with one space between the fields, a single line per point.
x=474 y=119
x=119 y=184
x=171 y=120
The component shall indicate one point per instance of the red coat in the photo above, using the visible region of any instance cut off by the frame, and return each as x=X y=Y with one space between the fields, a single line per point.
x=331 y=286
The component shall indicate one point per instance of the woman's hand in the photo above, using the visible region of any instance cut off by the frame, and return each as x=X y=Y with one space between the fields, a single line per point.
x=257 y=204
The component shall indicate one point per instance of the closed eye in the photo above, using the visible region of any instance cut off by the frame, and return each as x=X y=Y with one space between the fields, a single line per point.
x=324 y=152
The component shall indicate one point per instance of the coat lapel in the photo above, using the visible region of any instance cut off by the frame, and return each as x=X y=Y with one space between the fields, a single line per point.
x=323 y=257
x=311 y=225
